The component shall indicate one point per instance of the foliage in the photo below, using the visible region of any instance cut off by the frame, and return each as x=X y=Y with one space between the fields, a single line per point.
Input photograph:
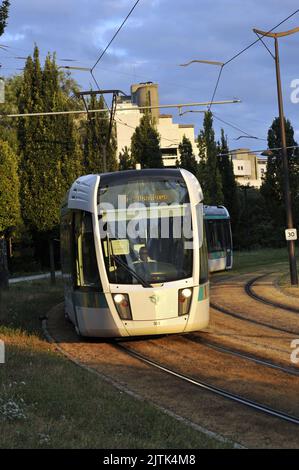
x=99 y=155
x=209 y=175
x=255 y=228
x=273 y=185
x=145 y=144
x=187 y=160
x=126 y=161
x=9 y=126
x=50 y=152
x=229 y=184
x=9 y=188
x=4 y=9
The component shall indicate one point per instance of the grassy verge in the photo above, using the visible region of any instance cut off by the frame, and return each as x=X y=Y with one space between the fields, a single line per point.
x=48 y=402
x=249 y=261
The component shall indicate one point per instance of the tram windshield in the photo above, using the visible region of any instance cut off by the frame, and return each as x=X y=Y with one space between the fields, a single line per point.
x=146 y=231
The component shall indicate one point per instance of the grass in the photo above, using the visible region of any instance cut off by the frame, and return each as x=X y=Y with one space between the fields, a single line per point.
x=249 y=261
x=48 y=402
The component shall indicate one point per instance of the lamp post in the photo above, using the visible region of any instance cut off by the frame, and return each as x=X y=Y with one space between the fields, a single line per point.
x=287 y=193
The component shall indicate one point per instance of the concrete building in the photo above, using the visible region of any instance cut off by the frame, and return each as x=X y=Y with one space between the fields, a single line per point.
x=249 y=169
x=128 y=115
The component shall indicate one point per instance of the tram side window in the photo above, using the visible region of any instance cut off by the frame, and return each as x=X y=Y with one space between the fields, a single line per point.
x=228 y=237
x=87 y=273
x=66 y=245
x=203 y=259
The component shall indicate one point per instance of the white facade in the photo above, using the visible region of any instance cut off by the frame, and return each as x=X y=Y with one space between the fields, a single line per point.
x=171 y=134
x=249 y=169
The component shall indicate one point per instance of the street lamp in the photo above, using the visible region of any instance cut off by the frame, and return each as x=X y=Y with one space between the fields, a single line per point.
x=287 y=194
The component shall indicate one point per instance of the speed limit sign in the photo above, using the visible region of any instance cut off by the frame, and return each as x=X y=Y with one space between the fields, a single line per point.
x=291 y=234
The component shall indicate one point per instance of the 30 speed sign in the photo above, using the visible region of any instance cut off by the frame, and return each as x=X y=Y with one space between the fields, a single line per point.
x=291 y=234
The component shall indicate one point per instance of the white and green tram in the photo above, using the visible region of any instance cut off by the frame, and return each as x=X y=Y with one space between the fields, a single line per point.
x=134 y=254
x=219 y=238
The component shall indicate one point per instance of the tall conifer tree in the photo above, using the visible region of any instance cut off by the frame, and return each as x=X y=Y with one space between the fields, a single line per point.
x=98 y=152
x=187 y=160
x=229 y=185
x=209 y=175
x=50 y=152
x=9 y=204
x=273 y=185
x=145 y=144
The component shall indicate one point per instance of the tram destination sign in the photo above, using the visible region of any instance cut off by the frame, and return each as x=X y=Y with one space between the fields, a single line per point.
x=291 y=234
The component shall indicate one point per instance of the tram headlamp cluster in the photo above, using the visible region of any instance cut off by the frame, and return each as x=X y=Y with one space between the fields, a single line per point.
x=122 y=304
x=184 y=301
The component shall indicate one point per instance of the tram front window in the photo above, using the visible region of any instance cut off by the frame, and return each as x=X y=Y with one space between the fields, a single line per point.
x=146 y=243
x=216 y=235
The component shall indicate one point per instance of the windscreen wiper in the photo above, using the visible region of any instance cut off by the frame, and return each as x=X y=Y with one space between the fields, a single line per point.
x=142 y=281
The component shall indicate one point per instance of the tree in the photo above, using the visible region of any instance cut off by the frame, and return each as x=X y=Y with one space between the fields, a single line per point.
x=273 y=185
x=187 y=160
x=145 y=144
x=99 y=154
x=50 y=152
x=126 y=161
x=9 y=126
x=9 y=203
x=4 y=9
x=209 y=175
x=229 y=184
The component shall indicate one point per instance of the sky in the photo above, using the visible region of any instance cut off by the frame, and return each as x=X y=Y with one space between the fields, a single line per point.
x=160 y=35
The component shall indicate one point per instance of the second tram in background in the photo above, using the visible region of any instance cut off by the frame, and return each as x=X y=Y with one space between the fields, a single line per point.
x=219 y=238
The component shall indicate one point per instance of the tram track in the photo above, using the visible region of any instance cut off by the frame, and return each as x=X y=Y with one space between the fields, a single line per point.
x=241 y=316
x=243 y=396
x=242 y=355
x=249 y=291
x=203 y=385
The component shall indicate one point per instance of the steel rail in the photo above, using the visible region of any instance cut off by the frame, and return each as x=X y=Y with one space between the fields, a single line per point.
x=242 y=355
x=211 y=388
x=239 y=316
x=249 y=291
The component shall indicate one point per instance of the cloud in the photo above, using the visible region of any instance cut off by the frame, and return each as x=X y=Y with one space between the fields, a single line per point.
x=157 y=37
x=7 y=37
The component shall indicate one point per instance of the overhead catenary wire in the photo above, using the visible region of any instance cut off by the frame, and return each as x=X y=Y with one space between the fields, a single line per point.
x=245 y=152
x=233 y=126
x=260 y=38
x=245 y=49
x=84 y=111
x=115 y=34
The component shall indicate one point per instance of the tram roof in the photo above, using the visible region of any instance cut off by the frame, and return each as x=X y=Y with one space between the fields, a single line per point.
x=107 y=178
x=216 y=212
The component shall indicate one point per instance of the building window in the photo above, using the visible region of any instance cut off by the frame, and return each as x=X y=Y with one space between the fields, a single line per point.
x=169 y=151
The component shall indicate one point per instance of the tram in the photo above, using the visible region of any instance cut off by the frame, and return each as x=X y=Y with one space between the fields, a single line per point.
x=134 y=254
x=219 y=238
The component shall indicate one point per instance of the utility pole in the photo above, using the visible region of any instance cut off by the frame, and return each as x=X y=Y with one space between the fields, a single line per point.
x=287 y=192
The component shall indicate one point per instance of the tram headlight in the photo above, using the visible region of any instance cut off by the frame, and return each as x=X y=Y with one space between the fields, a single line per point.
x=122 y=305
x=184 y=301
